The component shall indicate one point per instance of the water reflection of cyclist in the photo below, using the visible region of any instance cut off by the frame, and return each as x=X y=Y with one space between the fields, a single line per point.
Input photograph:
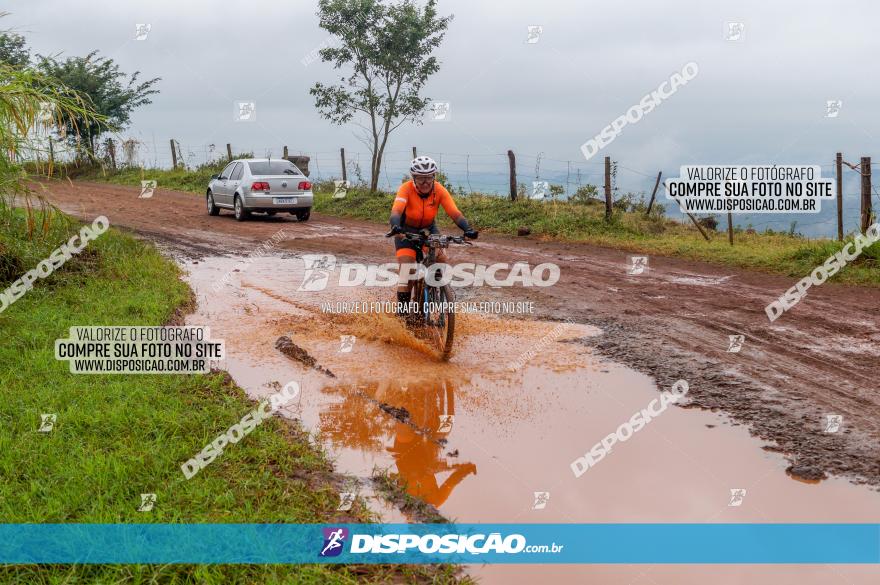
x=415 y=208
x=419 y=456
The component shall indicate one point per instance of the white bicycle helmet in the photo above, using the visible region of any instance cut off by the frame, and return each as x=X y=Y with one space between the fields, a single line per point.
x=423 y=165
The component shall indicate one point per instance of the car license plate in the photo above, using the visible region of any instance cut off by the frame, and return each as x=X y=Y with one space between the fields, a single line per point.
x=283 y=200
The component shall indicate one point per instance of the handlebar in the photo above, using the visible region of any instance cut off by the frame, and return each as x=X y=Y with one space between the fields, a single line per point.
x=424 y=237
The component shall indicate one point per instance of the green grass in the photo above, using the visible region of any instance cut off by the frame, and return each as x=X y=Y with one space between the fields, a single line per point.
x=118 y=436
x=629 y=230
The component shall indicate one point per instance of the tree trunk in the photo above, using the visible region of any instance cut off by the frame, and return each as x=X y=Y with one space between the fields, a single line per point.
x=375 y=166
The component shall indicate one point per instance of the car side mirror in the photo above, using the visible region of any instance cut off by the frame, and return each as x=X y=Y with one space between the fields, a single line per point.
x=215 y=177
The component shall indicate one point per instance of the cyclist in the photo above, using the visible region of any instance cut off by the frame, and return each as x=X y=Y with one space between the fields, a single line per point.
x=415 y=208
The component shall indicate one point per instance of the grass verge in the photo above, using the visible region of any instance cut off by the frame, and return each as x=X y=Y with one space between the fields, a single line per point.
x=630 y=229
x=119 y=436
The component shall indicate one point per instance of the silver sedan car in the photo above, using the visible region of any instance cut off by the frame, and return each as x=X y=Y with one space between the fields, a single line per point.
x=260 y=185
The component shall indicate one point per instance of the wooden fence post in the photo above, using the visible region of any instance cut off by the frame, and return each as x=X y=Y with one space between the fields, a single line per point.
x=173 y=155
x=838 y=162
x=51 y=156
x=607 y=188
x=229 y=151
x=653 y=194
x=866 y=192
x=699 y=227
x=730 y=227
x=511 y=160
x=344 y=172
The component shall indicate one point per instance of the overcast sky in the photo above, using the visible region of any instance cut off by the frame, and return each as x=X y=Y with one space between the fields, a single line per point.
x=761 y=99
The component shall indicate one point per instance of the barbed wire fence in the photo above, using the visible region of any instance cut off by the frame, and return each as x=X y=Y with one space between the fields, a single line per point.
x=465 y=172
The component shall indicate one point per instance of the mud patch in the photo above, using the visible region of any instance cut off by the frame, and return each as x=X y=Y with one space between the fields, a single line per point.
x=286 y=346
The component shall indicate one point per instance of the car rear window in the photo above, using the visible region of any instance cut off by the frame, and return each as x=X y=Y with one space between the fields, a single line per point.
x=273 y=167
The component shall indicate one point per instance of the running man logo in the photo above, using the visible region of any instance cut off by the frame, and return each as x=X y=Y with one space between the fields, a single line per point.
x=539 y=189
x=346 y=500
x=541 y=499
x=832 y=108
x=346 y=343
x=833 y=422
x=318 y=269
x=147 y=188
x=445 y=425
x=147 y=502
x=637 y=265
x=736 y=497
x=47 y=422
x=340 y=189
x=733 y=31
x=735 y=343
x=334 y=539
x=535 y=31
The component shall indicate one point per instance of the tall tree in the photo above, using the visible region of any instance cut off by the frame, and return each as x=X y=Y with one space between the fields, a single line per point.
x=13 y=50
x=385 y=51
x=104 y=86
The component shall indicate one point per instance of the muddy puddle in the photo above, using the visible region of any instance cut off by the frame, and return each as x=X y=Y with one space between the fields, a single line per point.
x=519 y=401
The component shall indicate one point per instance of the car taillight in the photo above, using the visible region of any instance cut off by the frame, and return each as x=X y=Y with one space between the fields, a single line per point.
x=304 y=186
x=260 y=186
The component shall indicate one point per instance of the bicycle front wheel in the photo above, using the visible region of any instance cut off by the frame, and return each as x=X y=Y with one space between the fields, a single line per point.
x=441 y=319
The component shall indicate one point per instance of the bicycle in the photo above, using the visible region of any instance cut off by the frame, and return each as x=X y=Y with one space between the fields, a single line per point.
x=434 y=303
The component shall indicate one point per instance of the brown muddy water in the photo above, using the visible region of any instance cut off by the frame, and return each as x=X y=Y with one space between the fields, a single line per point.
x=478 y=436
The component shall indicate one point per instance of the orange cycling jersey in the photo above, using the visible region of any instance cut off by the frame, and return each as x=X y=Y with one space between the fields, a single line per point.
x=411 y=211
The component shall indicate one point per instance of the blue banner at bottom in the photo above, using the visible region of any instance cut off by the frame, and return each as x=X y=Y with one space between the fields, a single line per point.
x=441 y=543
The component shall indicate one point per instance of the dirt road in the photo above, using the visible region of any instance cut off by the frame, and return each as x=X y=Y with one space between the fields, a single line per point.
x=671 y=322
x=480 y=441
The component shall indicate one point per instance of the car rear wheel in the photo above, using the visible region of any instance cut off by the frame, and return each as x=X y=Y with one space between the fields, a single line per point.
x=303 y=215
x=241 y=213
x=212 y=209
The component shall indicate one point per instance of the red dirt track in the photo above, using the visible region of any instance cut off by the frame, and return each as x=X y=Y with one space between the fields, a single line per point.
x=670 y=322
